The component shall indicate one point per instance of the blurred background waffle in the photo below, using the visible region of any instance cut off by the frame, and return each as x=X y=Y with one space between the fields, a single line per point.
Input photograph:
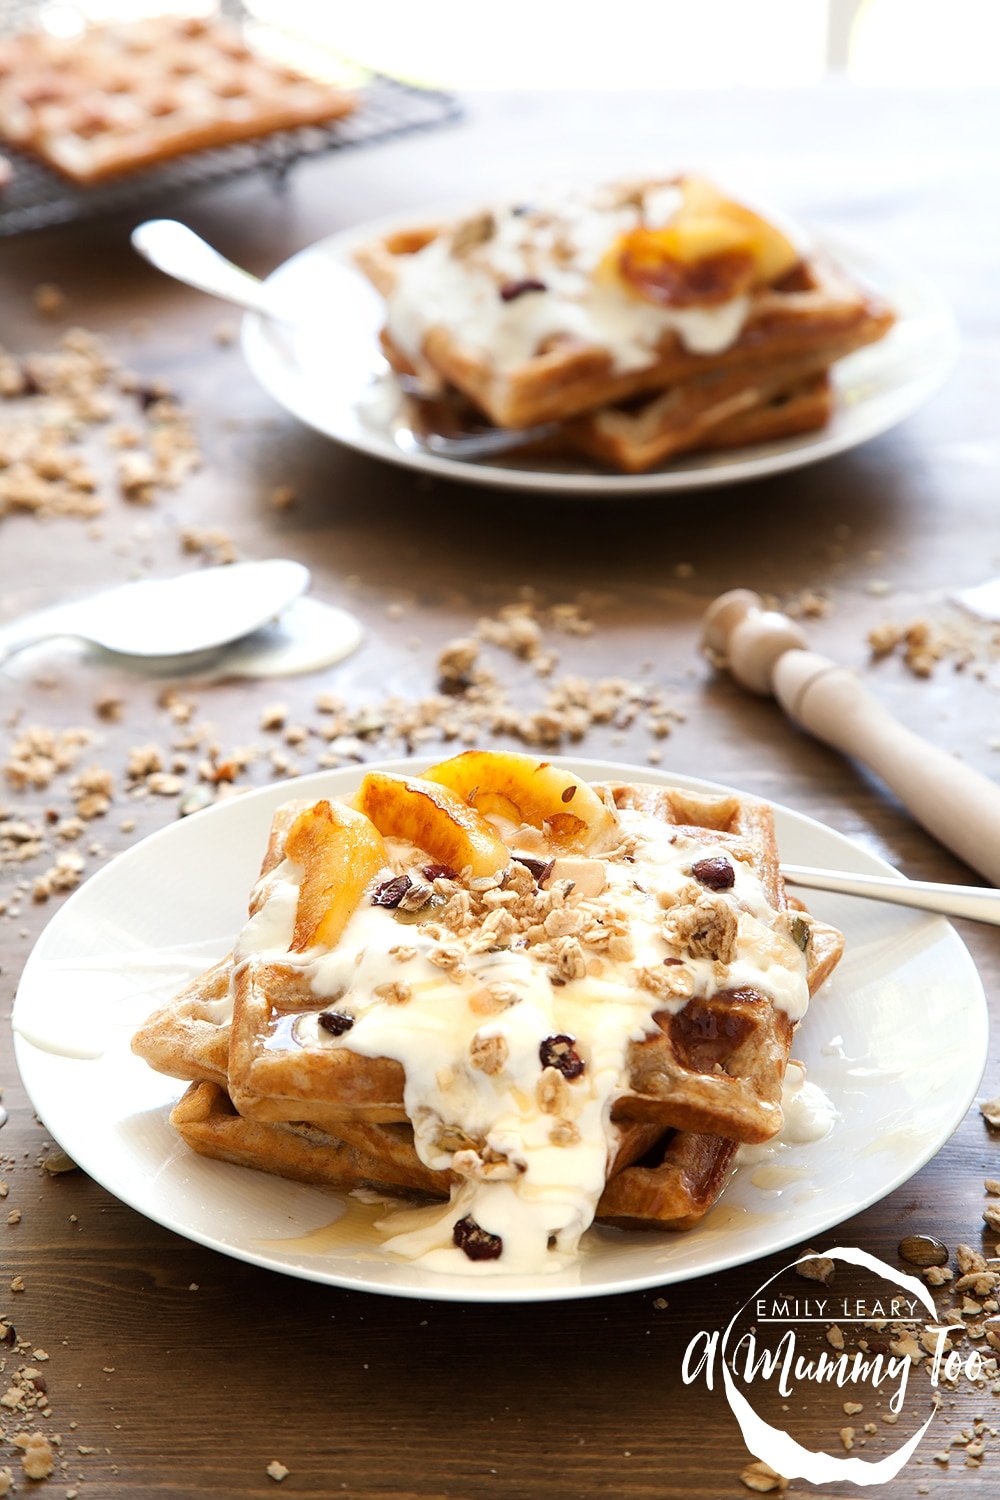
x=35 y=195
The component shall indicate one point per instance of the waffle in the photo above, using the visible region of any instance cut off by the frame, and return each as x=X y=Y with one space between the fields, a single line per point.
x=129 y=95
x=439 y=933
x=525 y=310
x=189 y=1037
x=723 y=411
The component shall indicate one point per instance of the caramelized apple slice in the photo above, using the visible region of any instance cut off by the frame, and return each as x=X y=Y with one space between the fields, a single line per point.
x=340 y=853
x=435 y=819
x=543 y=794
x=773 y=252
x=713 y=249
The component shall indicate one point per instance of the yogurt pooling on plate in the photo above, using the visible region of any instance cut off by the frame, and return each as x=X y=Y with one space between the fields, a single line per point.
x=512 y=1003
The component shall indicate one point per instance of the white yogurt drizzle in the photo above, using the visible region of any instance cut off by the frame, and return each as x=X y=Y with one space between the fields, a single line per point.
x=541 y=1213
x=562 y=247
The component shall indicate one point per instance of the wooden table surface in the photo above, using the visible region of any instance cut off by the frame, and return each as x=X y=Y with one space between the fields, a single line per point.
x=181 y=1393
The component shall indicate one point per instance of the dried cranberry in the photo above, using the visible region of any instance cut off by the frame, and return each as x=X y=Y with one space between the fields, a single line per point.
x=477 y=1243
x=334 y=1021
x=440 y=872
x=569 y=794
x=560 y=1052
x=718 y=874
x=511 y=290
x=540 y=868
x=391 y=892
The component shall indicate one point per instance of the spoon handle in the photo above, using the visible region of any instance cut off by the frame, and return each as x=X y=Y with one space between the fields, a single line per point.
x=177 y=251
x=949 y=900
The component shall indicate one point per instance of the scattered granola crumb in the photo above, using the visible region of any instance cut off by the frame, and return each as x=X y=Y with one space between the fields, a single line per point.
x=817 y=1268
x=660 y=1303
x=847 y=1437
x=990 y=1111
x=274 y=716
x=50 y=300
x=277 y=1471
x=759 y=1476
x=37 y=1459
x=58 y=1162
x=835 y=1336
x=210 y=542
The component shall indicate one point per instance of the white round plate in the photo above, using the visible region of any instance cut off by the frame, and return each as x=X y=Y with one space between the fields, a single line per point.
x=897 y=1039
x=324 y=366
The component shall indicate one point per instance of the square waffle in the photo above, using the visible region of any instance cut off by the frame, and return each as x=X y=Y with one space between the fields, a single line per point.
x=496 y=974
x=539 y=313
x=127 y=95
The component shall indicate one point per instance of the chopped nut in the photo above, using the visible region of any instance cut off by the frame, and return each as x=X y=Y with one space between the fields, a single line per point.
x=760 y=1477
x=37 y=1460
x=565 y=1133
x=552 y=1093
x=816 y=1268
x=493 y=998
x=50 y=300
x=396 y=992
x=488 y=1054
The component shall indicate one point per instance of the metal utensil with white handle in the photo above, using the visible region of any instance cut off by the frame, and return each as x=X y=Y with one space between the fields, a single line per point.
x=924 y=895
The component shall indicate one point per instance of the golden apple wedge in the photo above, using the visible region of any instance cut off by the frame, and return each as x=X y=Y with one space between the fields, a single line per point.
x=340 y=852
x=434 y=818
x=538 y=792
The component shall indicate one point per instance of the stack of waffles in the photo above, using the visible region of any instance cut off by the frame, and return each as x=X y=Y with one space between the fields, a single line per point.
x=517 y=999
x=647 y=319
x=124 y=95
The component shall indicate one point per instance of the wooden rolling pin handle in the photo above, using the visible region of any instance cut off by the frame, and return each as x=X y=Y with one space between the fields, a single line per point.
x=959 y=806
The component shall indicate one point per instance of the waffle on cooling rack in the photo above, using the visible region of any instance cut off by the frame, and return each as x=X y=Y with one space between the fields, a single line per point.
x=120 y=96
x=663 y=293
x=495 y=985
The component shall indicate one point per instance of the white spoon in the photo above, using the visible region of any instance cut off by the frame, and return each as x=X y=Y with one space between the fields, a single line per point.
x=195 y=612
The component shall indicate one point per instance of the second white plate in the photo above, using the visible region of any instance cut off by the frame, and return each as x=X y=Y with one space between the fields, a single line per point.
x=897 y=1039
x=327 y=370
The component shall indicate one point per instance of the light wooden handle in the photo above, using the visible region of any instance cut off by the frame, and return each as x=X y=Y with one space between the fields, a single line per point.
x=957 y=805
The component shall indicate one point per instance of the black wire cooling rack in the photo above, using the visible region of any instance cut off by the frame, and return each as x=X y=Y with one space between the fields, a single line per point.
x=38 y=197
